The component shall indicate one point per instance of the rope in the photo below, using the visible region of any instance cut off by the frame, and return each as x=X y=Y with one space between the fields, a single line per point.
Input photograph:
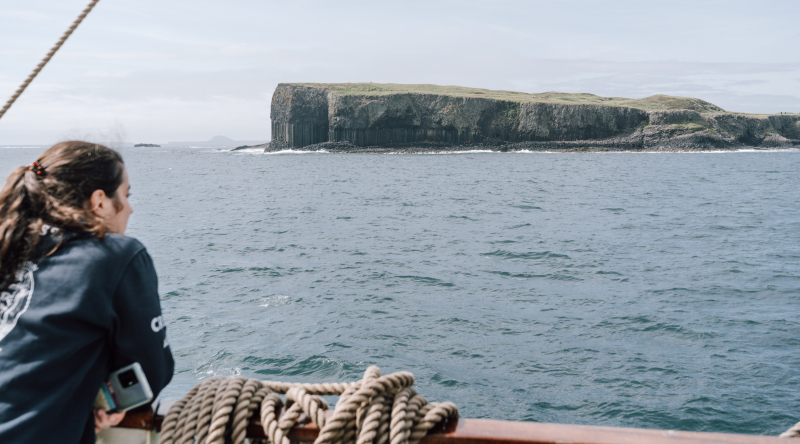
x=47 y=58
x=376 y=410
x=793 y=432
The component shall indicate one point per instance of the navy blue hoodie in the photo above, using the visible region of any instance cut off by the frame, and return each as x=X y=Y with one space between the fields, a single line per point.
x=70 y=319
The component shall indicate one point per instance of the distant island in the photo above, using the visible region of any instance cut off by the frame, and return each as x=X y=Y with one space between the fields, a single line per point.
x=371 y=117
x=147 y=145
x=215 y=142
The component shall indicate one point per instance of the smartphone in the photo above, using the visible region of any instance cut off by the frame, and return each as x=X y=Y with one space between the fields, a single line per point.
x=126 y=388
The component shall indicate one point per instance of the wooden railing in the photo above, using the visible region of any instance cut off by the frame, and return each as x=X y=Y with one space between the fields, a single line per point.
x=485 y=431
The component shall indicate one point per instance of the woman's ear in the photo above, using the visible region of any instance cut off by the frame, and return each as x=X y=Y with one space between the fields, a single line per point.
x=98 y=202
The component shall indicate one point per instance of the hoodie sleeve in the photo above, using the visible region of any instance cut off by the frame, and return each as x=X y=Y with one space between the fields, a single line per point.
x=139 y=333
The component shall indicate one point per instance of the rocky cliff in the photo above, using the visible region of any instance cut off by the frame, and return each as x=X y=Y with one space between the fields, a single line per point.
x=374 y=115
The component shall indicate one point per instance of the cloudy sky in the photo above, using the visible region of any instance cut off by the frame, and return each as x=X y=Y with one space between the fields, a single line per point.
x=168 y=70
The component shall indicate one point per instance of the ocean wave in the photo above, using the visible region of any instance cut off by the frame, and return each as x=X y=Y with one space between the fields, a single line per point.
x=454 y=152
x=250 y=151
x=290 y=151
x=275 y=301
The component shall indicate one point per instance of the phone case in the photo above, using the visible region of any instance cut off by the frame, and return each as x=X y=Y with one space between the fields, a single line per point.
x=126 y=388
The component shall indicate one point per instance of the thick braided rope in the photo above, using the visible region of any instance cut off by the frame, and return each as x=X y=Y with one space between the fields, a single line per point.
x=244 y=409
x=223 y=407
x=340 y=426
x=369 y=415
x=376 y=410
x=313 y=389
x=793 y=432
x=186 y=428
x=269 y=419
x=206 y=402
x=170 y=424
x=47 y=58
x=313 y=406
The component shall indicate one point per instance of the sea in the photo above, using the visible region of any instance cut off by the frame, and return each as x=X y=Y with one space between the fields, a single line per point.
x=650 y=290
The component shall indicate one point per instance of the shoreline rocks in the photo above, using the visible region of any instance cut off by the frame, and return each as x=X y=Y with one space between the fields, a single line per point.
x=692 y=145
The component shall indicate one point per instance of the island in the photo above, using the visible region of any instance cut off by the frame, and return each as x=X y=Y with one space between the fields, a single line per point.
x=146 y=145
x=372 y=117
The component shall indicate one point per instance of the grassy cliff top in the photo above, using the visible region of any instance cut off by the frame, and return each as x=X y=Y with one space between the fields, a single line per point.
x=657 y=102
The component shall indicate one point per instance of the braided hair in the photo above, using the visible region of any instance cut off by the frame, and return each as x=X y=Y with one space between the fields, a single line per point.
x=55 y=190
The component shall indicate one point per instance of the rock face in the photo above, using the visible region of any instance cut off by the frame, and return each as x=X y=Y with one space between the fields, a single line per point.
x=545 y=121
x=305 y=115
x=299 y=115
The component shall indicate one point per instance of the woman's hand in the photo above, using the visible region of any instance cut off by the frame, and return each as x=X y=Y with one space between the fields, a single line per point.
x=104 y=420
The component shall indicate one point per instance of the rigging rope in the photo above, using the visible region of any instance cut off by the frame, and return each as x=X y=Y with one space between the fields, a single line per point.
x=376 y=410
x=47 y=58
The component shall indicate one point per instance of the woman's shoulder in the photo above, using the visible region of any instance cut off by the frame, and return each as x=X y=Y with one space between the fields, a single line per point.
x=111 y=247
x=123 y=242
x=120 y=246
x=84 y=261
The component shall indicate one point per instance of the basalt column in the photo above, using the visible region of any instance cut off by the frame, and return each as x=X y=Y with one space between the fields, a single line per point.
x=409 y=118
x=299 y=116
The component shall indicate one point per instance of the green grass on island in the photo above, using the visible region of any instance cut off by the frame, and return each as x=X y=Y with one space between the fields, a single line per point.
x=652 y=103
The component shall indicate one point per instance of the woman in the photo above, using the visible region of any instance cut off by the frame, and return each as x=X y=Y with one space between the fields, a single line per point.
x=78 y=299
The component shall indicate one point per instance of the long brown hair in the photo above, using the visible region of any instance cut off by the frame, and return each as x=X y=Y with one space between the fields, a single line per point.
x=55 y=191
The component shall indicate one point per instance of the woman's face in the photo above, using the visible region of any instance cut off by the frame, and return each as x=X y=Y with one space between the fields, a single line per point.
x=106 y=207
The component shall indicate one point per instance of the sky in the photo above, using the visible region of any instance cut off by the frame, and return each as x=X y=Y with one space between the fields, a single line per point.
x=155 y=71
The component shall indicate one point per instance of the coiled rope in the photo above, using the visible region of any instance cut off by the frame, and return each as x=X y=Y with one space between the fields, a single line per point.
x=375 y=410
x=793 y=432
x=49 y=56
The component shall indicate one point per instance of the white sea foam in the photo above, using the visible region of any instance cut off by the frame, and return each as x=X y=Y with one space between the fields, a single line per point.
x=275 y=301
x=250 y=151
x=744 y=150
x=716 y=151
x=204 y=373
x=290 y=151
x=462 y=152
x=768 y=150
